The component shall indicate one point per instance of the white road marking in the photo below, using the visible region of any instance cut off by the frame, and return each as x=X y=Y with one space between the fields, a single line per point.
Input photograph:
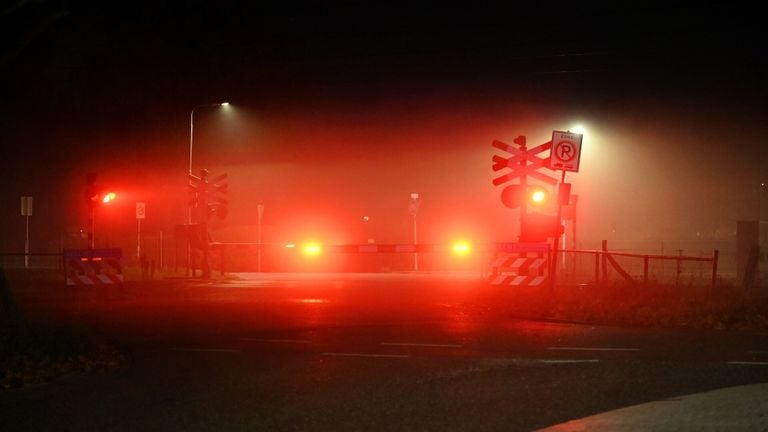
x=219 y=350
x=287 y=341
x=565 y=361
x=536 y=361
x=427 y=345
x=592 y=349
x=748 y=363
x=331 y=354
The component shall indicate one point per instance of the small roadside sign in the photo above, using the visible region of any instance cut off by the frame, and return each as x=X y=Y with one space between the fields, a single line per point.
x=141 y=210
x=566 y=151
x=26 y=206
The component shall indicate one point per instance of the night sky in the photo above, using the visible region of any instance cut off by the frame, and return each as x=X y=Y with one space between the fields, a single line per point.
x=342 y=111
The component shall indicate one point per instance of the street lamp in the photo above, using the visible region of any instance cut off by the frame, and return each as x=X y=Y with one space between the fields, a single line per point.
x=578 y=128
x=191 y=138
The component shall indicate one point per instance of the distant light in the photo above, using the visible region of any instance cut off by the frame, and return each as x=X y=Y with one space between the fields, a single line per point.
x=414 y=196
x=225 y=104
x=461 y=248
x=366 y=218
x=579 y=129
x=290 y=246
x=109 y=197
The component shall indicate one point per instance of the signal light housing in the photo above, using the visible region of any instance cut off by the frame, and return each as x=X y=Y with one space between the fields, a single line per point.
x=511 y=196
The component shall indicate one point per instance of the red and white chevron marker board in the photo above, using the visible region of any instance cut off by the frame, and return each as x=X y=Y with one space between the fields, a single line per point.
x=93 y=266
x=520 y=264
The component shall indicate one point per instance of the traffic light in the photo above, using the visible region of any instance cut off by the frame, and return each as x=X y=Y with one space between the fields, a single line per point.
x=537 y=227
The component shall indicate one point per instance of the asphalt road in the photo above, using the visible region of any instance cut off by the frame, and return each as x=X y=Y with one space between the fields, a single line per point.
x=357 y=352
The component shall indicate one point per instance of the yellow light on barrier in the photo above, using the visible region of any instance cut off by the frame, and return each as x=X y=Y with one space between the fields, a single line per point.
x=461 y=248
x=312 y=249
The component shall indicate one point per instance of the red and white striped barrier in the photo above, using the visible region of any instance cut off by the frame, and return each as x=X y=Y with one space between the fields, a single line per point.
x=515 y=280
x=527 y=264
x=93 y=266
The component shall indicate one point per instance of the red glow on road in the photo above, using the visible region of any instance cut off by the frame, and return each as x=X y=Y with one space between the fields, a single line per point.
x=312 y=301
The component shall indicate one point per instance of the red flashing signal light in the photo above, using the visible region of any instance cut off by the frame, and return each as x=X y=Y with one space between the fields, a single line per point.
x=461 y=248
x=537 y=196
x=312 y=250
x=108 y=197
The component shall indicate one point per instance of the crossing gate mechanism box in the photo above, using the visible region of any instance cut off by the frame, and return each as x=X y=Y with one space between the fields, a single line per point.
x=520 y=265
x=93 y=266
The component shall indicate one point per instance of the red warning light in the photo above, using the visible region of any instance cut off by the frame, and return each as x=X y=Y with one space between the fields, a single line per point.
x=108 y=197
x=312 y=250
x=538 y=196
x=461 y=248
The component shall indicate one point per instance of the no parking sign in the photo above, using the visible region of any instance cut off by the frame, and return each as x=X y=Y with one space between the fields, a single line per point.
x=566 y=151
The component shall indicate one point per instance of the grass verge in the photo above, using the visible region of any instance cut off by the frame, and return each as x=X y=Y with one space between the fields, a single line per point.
x=726 y=308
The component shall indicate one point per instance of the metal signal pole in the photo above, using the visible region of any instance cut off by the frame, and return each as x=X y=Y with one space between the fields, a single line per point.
x=523 y=183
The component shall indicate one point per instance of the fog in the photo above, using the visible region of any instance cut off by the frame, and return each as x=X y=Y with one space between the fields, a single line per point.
x=649 y=173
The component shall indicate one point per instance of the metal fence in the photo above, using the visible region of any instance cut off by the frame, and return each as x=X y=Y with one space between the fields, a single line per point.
x=604 y=266
x=43 y=261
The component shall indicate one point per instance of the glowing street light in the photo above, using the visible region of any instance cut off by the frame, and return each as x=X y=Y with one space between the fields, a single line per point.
x=578 y=128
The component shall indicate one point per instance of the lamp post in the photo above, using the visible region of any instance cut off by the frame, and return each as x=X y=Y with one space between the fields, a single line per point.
x=191 y=143
x=192 y=136
x=413 y=208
